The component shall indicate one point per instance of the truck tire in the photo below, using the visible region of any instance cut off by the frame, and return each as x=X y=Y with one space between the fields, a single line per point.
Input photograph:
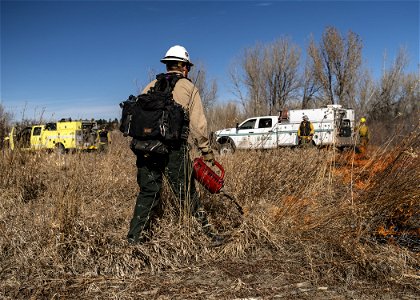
x=226 y=148
x=60 y=148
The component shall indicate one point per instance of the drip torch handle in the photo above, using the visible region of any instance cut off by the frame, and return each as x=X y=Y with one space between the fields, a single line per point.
x=219 y=166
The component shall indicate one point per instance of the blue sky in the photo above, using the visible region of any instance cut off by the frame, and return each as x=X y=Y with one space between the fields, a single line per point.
x=80 y=59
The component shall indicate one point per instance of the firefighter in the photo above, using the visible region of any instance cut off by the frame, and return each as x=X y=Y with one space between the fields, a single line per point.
x=306 y=131
x=103 y=139
x=363 y=132
x=175 y=165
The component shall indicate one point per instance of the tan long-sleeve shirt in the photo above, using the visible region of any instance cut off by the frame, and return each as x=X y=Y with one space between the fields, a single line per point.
x=186 y=94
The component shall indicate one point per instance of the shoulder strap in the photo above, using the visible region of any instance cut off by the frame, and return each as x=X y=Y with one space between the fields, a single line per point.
x=166 y=82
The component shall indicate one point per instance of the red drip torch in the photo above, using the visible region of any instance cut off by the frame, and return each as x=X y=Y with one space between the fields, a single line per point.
x=211 y=180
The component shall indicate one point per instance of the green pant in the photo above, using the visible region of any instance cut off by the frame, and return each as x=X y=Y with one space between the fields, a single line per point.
x=305 y=141
x=176 y=165
x=363 y=141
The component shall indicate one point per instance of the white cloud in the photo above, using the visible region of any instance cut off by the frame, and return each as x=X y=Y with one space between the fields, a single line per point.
x=264 y=4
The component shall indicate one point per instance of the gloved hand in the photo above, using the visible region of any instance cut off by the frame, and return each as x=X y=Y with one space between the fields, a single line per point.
x=208 y=156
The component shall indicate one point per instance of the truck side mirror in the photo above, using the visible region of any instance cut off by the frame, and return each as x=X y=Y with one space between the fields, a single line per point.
x=237 y=126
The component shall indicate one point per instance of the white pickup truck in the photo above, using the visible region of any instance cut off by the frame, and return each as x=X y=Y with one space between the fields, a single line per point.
x=333 y=125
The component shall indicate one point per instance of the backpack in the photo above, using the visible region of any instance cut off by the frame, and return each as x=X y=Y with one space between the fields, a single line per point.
x=154 y=120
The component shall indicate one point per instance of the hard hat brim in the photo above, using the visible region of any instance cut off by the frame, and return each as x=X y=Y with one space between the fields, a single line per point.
x=174 y=58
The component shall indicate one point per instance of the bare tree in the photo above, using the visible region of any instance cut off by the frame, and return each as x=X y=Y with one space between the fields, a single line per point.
x=322 y=70
x=269 y=76
x=409 y=97
x=237 y=83
x=366 y=89
x=224 y=115
x=395 y=107
x=388 y=95
x=280 y=72
x=349 y=73
x=5 y=124
x=207 y=90
x=336 y=62
x=252 y=66
x=245 y=72
x=310 y=86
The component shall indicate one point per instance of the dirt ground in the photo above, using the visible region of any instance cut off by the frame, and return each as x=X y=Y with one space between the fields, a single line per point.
x=260 y=278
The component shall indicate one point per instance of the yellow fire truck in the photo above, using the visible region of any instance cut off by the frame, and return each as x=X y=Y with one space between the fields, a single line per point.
x=63 y=135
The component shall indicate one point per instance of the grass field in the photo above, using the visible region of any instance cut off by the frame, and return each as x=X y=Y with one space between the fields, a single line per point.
x=318 y=224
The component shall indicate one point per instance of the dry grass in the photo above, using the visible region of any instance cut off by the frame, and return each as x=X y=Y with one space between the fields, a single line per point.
x=317 y=225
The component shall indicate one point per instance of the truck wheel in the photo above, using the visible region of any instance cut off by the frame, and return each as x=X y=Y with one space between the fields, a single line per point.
x=226 y=149
x=60 y=148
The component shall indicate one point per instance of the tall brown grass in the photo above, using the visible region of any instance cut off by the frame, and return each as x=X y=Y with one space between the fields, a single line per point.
x=318 y=216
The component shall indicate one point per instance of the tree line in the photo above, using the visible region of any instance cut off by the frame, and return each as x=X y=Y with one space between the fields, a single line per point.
x=266 y=78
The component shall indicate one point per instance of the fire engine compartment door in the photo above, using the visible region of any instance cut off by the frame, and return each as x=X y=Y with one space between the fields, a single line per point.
x=79 y=138
x=89 y=134
x=36 y=138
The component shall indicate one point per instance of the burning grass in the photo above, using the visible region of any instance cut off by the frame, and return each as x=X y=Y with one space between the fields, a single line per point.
x=317 y=224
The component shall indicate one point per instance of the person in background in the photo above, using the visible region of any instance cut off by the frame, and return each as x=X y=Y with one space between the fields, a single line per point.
x=363 y=132
x=306 y=131
x=103 y=139
x=175 y=165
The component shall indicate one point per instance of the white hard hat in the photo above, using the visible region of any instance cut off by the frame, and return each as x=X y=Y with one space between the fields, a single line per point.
x=177 y=53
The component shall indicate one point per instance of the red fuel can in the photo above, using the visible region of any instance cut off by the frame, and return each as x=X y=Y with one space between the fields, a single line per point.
x=207 y=177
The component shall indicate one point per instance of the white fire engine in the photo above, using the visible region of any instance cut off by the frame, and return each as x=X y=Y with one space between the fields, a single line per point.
x=333 y=125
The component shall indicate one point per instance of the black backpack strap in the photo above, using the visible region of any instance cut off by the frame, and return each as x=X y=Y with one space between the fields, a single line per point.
x=166 y=82
x=174 y=79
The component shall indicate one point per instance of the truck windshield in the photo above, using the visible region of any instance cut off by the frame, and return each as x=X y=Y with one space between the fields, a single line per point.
x=37 y=131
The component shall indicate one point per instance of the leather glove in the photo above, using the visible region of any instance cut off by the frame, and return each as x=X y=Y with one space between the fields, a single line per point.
x=208 y=156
